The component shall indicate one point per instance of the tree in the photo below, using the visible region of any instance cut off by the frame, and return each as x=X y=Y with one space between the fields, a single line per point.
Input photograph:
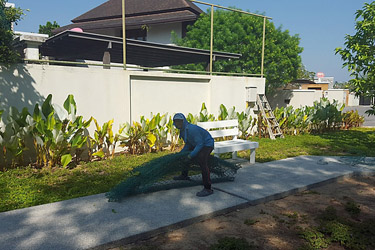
x=8 y=16
x=303 y=73
x=342 y=85
x=240 y=33
x=47 y=29
x=359 y=54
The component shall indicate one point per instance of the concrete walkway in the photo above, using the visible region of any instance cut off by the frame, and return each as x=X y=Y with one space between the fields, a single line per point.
x=92 y=222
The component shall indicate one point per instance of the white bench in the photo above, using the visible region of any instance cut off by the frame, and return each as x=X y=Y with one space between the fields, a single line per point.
x=229 y=128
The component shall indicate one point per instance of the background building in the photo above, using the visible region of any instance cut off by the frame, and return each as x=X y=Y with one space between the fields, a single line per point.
x=146 y=20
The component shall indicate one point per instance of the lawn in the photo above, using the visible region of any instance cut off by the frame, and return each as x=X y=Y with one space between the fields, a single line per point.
x=25 y=187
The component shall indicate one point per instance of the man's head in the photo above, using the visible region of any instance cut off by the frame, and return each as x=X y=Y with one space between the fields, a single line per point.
x=178 y=120
x=178 y=123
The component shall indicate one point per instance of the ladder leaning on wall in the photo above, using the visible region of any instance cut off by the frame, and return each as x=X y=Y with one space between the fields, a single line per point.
x=264 y=108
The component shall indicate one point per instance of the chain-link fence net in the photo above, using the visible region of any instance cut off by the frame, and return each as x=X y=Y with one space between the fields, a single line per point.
x=158 y=174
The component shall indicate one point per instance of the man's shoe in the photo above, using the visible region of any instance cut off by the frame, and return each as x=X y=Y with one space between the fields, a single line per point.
x=181 y=178
x=205 y=192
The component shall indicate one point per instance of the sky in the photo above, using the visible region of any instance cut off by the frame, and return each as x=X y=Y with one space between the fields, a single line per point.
x=321 y=24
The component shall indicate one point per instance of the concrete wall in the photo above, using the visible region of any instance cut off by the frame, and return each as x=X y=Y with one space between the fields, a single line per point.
x=340 y=95
x=353 y=100
x=298 y=97
x=162 y=33
x=122 y=95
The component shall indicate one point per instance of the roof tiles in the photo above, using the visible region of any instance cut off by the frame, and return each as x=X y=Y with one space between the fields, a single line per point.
x=113 y=8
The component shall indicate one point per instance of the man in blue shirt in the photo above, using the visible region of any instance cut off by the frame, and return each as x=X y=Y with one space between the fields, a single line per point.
x=200 y=144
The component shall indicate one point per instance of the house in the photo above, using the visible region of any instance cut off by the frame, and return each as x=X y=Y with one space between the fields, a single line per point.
x=305 y=92
x=145 y=20
x=314 y=85
x=150 y=28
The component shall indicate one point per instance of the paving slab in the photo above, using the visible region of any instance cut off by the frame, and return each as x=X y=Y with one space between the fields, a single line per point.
x=92 y=221
x=265 y=181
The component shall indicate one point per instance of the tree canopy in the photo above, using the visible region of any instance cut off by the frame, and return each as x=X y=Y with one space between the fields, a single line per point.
x=240 y=33
x=303 y=73
x=8 y=16
x=47 y=29
x=359 y=53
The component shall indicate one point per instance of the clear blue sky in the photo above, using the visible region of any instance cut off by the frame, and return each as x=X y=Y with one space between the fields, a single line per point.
x=321 y=24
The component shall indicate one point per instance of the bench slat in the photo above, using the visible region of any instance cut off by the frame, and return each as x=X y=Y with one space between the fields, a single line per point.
x=224 y=132
x=234 y=145
x=218 y=124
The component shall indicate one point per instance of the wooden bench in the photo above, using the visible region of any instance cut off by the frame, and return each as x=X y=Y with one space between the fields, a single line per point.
x=227 y=128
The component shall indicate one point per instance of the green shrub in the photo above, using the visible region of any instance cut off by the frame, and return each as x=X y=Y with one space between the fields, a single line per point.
x=352 y=208
x=314 y=238
x=352 y=119
x=251 y=222
x=322 y=116
x=337 y=231
x=231 y=243
x=329 y=214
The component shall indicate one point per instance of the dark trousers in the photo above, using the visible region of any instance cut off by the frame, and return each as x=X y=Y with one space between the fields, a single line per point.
x=202 y=160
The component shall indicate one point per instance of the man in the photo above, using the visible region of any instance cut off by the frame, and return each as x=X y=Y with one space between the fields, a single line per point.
x=200 y=144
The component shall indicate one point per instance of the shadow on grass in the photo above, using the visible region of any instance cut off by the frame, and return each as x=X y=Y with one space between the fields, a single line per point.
x=356 y=142
x=351 y=142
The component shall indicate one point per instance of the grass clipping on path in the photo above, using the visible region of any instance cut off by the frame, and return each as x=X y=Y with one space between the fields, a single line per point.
x=156 y=175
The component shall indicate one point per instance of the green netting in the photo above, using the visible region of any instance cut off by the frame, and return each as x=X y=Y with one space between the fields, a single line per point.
x=158 y=175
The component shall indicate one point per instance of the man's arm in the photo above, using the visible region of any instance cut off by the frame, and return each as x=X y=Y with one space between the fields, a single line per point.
x=199 y=142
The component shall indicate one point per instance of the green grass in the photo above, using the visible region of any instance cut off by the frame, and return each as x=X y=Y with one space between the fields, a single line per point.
x=25 y=187
x=356 y=142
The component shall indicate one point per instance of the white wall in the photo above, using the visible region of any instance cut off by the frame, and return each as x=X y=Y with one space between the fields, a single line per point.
x=162 y=33
x=339 y=95
x=298 y=98
x=353 y=100
x=161 y=94
x=122 y=95
x=231 y=91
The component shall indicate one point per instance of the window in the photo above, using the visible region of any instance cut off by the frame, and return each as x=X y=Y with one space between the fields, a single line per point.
x=137 y=34
x=315 y=88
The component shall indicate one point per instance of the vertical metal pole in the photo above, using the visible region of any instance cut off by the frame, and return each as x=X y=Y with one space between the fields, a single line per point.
x=212 y=39
x=124 y=33
x=259 y=124
x=263 y=46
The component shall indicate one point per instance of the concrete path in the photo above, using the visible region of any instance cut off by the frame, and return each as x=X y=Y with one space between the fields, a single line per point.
x=92 y=222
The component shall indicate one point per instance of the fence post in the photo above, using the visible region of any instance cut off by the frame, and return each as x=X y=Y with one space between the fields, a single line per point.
x=212 y=39
x=124 y=33
x=263 y=46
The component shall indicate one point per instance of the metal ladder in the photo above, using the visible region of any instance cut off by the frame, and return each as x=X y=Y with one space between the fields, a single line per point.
x=273 y=127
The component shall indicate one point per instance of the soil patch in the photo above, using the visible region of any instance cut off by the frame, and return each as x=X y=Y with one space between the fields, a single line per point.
x=277 y=224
